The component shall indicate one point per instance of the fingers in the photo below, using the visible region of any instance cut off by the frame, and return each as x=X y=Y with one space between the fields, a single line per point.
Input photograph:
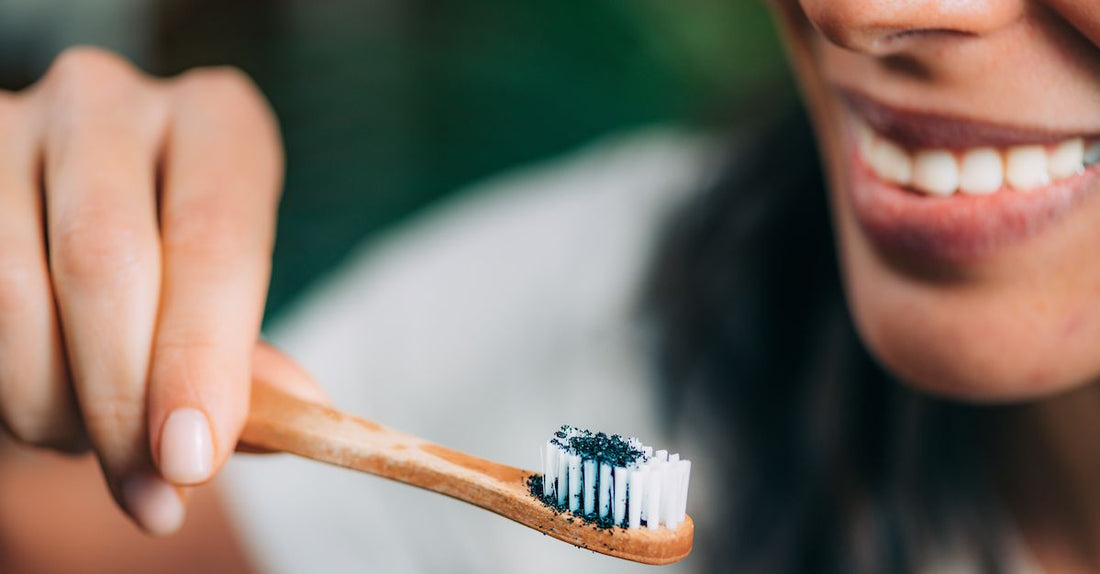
x=151 y=362
x=36 y=402
x=101 y=137
x=222 y=176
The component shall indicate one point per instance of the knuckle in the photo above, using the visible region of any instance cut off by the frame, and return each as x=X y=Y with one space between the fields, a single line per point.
x=82 y=69
x=223 y=85
x=173 y=347
x=179 y=355
x=227 y=100
x=113 y=415
x=208 y=235
x=190 y=359
x=96 y=252
x=227 y=96
x=87 y=88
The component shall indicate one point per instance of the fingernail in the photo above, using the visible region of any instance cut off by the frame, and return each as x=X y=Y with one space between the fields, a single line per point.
x=186 y=448
x=153 y=503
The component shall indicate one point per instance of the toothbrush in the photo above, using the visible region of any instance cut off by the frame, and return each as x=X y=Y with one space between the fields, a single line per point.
x=280 y=422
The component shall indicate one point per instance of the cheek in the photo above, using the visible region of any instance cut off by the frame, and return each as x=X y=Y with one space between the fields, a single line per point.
x=1024 y=326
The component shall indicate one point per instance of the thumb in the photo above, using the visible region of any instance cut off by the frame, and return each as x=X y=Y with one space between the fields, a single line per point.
x=272 y=368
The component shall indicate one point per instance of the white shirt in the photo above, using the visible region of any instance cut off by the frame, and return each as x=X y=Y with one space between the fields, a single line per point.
x=484 y=325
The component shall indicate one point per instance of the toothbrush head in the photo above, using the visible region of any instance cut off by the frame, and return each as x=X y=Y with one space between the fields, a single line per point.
x=611 y=482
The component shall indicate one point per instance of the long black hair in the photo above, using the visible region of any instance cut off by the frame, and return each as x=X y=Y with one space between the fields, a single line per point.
x=832 y=466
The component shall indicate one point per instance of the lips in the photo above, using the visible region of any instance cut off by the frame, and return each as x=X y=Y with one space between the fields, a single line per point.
x=957 y=190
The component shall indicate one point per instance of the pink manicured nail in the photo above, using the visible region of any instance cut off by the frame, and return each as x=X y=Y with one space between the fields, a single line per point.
x=186 y=448
x=153 y=503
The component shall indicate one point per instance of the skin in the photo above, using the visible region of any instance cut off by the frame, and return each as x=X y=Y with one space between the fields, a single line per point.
x=1021 y=324
x=137 y=218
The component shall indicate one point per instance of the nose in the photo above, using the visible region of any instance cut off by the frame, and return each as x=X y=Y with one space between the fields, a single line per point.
x=884 y=27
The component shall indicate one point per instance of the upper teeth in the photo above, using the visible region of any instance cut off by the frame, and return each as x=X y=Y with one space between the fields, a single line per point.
x=975 y=171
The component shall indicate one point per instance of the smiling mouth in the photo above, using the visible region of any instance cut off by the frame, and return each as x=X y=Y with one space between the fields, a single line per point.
x=954 y=189
x=980 y=162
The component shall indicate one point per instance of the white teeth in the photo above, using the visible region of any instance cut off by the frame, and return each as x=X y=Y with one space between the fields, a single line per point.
x=982 y=171
x=1067 y=159
x=891 y=162
x=1026 y=167
x=935 y=172
x=865 y=137
x=976 y=171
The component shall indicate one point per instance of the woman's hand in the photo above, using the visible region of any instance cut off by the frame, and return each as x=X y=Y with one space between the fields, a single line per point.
x=137 y=219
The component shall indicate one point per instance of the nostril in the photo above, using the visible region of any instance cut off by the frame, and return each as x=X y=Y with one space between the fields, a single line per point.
x=893 y=43
x=905 y=65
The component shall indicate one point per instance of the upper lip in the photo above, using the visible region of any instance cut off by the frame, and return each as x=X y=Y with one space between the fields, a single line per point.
x=918 y=129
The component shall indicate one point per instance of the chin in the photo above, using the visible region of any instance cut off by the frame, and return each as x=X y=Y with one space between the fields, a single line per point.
x=1021 y=325
x=949 y=357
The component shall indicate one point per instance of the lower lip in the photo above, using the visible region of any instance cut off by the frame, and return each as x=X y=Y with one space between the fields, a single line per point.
x=959 y=227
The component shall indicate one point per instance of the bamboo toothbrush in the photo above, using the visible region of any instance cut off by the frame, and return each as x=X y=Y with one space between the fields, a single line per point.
x=280 y=422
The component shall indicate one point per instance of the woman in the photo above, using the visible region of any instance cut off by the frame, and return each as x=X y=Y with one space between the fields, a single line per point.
x=955 y=138
x=973 y=285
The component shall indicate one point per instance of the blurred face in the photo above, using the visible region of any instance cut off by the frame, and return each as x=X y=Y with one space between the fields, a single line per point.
x=961 y=142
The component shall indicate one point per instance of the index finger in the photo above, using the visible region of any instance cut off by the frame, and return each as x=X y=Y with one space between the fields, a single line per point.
x=222 y=175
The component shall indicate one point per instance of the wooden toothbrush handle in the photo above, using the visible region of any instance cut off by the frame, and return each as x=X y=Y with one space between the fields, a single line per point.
x=280 y=422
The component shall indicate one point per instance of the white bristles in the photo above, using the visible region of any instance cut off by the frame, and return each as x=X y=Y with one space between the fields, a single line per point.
x=589 y=486
x=652 y=508
x=604 y=486
x=561 y=488
x=574 y=481
x=685 y=476
x=549 y=470
x=670 y=489
x=634 y=494
x=619 y=494
x=578 y=474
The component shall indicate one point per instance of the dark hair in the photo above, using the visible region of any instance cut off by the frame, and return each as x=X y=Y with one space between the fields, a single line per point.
x=832 y=466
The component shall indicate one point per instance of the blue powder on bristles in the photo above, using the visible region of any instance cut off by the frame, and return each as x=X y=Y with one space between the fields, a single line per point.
x=601 y=447
x=535 y=487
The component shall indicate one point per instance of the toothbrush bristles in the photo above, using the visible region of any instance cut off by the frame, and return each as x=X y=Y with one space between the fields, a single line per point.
x=611 y=480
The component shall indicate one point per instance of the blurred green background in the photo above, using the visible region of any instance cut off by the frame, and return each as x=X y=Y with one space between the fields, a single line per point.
x=389 y=105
